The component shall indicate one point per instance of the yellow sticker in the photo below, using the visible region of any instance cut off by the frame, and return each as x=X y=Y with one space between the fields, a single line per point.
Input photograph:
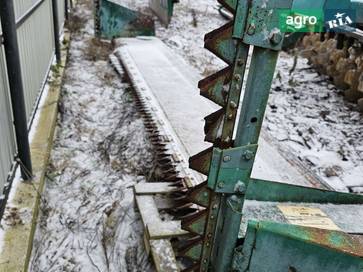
x=307 y=217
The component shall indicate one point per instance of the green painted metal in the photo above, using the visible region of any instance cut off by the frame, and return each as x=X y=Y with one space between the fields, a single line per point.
x=263 y=24
x=264 y=190
x=197 y=223
x=229 y=162
x=200 y=195
x=275 y=247
x=163 y=9
x=115 y=21
x=258 y=86
x=193 y=252
x=221 y=43
x=212 y=86
x=229 y=4
x=234 y=169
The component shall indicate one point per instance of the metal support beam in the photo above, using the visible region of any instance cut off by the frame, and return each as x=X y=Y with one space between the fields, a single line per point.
x=16 y=86
x=56 y=31
x=66 y=14
x=253 y=108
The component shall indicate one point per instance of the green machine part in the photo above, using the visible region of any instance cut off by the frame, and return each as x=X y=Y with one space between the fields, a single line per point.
x=266 y=246
x=294 y=248
x=163 y=9
x=113 y=20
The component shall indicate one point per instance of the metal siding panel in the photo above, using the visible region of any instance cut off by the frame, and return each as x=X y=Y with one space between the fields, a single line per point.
x=36 y=47
x=7 y=137
x=61 y=14
x=36 y=52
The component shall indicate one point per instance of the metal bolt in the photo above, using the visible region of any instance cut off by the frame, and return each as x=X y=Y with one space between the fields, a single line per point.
x=212 y=217
x=227 y=139
x=230 y=116
x=275 y=38
x=234 y=198
x=209 y=235
x=240 y=187
x=237 y=78
x=207 y=244
x=251 y=29
x=226 y=158
x=240 y=62
x=248 y=155
x=215 y=206
x=220 y=184
x=233 y=105
x=205 y=261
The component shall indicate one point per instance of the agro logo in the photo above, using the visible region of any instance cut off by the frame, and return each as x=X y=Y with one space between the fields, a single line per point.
x=341 y=19
x=301 y=21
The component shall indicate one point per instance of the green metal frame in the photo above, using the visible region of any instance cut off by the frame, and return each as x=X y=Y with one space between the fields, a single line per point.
x=274 y=247
x=113 y=21
x=163 y=9
x=229 y=163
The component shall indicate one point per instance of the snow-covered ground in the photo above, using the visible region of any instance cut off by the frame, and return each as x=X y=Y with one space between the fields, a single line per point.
x=88 y=220
x=306 y=113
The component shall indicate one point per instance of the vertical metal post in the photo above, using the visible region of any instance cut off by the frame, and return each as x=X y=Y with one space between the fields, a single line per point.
x=16 y=85
x=255 y=99
x=66 y=10
x=56 y=31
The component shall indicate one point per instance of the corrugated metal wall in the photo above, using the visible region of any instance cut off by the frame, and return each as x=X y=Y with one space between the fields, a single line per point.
x=35 y=38
x=36 y=49
x=7 y=137
x=61 y=13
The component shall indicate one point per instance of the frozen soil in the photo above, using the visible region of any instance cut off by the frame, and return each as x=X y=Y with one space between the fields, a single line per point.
x=306 y=113
x=88 y=219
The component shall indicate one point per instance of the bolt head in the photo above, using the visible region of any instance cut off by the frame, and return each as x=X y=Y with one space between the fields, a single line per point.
x=251 y=29
x=220 y=184
x=226 y=158
x=240 y=188
x=240 y=62
x=276 y=38
x=233 y=105
x=248 y=155
x=237 y=78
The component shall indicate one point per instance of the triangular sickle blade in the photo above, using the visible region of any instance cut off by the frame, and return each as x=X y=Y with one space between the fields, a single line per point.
x=195 y=223
x=212 y=87
x=221 y=43
x=192 y=249
x=230 y=5
x=213 y=127
x=200 y=195
x=201 y=161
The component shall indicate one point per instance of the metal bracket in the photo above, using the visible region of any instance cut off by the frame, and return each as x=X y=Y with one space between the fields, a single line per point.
x=231 y=168
x=262 y=26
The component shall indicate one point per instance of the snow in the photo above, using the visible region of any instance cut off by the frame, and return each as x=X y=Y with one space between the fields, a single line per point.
x=88 y=219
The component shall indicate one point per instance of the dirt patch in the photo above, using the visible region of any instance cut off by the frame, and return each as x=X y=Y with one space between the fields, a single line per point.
x=97 y=49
